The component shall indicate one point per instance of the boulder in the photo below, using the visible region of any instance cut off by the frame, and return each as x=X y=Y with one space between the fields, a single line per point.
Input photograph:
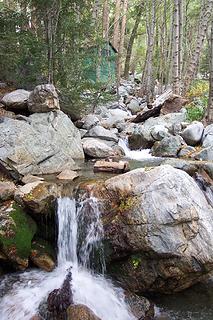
x=43 y=143
x=193 y=133
x=207 y=140
x=16 y=232
x=38 y=196
x=134 y=106
x=111 y=166
x=7 y=190
x=96 y=148
x=43 y=98
x=205 y=154
x=87 y=122
x=80 y=312
x=186 y=152
x=141 y=137
x=159 y=132
x=67 y=175
x=42 y=255
x=16 y=99
x=140 y=307
x=167 y=147
x=158 y=229
x=102 y=133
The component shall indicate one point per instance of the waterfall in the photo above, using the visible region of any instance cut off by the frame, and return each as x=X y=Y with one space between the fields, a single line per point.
x=140 y=154
x=77 y=223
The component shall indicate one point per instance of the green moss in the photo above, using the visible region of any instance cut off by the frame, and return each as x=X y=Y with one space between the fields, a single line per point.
x=126 y=203
x=17 y=240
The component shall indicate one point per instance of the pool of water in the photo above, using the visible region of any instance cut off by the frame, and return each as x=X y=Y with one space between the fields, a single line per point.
x=195 y=303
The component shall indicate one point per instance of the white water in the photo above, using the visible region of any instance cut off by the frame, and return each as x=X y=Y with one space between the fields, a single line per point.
x=134 y=154
x=23 y=298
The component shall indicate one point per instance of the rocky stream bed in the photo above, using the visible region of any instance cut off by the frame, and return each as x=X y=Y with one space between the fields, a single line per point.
x=149 y=230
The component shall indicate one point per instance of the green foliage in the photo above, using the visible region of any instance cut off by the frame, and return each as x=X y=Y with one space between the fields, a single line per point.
x=17 y=240
x=198 y=94
x=136 y=261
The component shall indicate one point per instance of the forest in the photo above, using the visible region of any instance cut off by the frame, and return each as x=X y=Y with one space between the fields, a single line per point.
x=164 y=42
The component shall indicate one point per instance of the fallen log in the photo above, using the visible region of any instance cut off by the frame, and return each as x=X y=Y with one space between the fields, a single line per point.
x=156 y=108
x=110 y=166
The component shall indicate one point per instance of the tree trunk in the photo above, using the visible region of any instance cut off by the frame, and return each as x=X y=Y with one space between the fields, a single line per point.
x=116 y=31
x=131 y=42
x=121 y=42
x=106 y=20
x=176 y=45
x=206 y=12
x=209 y=116
x=150 y=21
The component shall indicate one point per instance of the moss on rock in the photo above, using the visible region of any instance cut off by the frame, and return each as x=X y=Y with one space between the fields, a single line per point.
x=16 y=232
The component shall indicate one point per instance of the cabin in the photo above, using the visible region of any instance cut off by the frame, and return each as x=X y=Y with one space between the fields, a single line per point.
x=100 y=63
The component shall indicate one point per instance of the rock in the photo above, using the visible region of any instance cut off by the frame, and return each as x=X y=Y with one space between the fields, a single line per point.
x=207 y=140
x=140 y=307
x=80 y=312
x=38 y=196
x=7 y=190
x=114 y=117
x=193 y=133
x=208 y=167
x=140 y=135
x=16 y=99
x=102 y=133
x=42 y=255
x=189 y=167
x=16 y=232
x=36 y=318
x=43 y=98
x=158 y=229
x=46 y=143
x=159 y=132
x=167 y=147
x=134 y=106
x=122 y=91
x=67 y=175
x=87 y=122
x=30 y=179
x=205 y=154
x=96 y=148
x=60 y=299
x=110 y=166
x=186 y=152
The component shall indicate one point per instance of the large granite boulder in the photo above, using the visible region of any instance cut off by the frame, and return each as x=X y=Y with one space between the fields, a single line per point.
x=43 y=98
x=193 y=133
x=168 y=146
x=158 y=229
x=38 y=196
x=97 y=148
x=43 y=143
x=102 y=133
x=16 y=232
x=207 y=140
x=16 y=99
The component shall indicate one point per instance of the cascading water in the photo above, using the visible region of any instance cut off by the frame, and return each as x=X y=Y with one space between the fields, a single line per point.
x=25 y=291
x=134 y=154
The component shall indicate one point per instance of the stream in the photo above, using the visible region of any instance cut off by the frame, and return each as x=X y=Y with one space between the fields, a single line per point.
x=22 y=293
